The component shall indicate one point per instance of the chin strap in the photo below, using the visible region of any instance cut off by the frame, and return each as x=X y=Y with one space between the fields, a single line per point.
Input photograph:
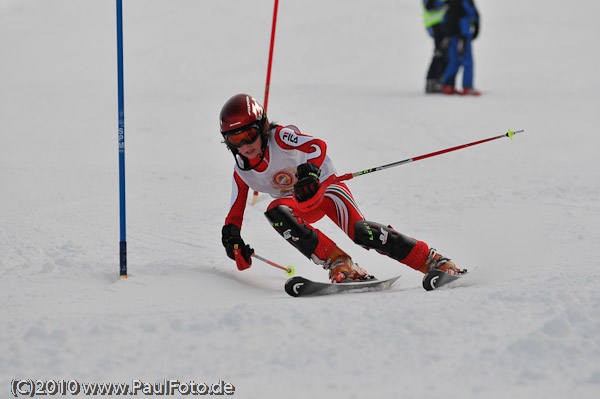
x=246 y=162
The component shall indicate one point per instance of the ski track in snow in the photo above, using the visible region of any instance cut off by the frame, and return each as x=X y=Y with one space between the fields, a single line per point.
x=522 y=214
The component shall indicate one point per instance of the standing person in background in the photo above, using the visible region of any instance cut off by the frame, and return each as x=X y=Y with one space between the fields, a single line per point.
x=462 y=26
x=433 y=17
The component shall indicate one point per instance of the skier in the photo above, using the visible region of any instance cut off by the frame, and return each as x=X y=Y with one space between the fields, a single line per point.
x=290 y=166
x=433 y=17
x=462 y=26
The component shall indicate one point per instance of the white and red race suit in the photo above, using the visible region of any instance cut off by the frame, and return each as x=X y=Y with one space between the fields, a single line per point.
x=275 y=175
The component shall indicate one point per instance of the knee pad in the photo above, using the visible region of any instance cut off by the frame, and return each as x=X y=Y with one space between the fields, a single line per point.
x=293 y=229
x=384 y=239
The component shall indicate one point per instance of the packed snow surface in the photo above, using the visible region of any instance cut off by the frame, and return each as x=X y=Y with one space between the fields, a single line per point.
x=522 y=214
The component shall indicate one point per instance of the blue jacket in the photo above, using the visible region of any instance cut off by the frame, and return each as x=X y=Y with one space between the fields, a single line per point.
x=462 y=18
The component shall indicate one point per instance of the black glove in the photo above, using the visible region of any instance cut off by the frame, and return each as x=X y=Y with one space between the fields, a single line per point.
x=308 y=181
x=230 y=237
x=475 y=30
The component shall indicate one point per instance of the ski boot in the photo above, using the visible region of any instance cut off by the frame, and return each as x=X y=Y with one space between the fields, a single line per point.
x=343 y=270
x=447 y=89
x=433 y=86
x=436 y=261
x=469 y=91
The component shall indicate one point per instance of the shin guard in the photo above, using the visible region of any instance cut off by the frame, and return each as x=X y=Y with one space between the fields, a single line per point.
x=293 y=229
x=384 y=239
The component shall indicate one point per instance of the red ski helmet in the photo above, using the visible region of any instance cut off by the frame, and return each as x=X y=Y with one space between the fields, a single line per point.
x=239 y=114
x=240 y=111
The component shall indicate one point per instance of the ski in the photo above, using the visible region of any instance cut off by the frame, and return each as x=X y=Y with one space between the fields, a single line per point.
x=300 y=286
x=437 y=278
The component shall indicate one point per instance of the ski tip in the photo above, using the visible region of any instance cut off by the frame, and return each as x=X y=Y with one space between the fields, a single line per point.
x=437 y=278
x=294 y=286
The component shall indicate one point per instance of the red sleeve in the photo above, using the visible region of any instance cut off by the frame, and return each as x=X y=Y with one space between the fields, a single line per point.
x=289 y=138
x=239 y=195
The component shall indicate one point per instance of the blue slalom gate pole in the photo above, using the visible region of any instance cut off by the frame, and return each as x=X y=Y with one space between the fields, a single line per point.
x=123 y=242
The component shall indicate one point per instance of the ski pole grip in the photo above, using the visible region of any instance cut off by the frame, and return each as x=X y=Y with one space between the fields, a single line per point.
x=347 y=176
x=315 y=201
x=239 y=259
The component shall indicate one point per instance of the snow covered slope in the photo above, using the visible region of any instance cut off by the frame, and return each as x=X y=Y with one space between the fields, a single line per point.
x=524 y=213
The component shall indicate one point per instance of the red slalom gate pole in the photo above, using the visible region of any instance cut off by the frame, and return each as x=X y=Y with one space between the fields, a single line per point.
x=314 y=201
x=268 y=84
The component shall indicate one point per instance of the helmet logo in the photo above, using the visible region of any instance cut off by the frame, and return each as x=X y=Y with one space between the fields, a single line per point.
x=253 y=108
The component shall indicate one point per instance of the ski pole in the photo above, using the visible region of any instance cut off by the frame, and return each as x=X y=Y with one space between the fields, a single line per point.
x=316 y=199
x=268 y=84
x=288 y=270
x=349 y=176
x=243 y=264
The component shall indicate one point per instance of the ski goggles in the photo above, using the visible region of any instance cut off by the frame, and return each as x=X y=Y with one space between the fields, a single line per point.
x=237 y=139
